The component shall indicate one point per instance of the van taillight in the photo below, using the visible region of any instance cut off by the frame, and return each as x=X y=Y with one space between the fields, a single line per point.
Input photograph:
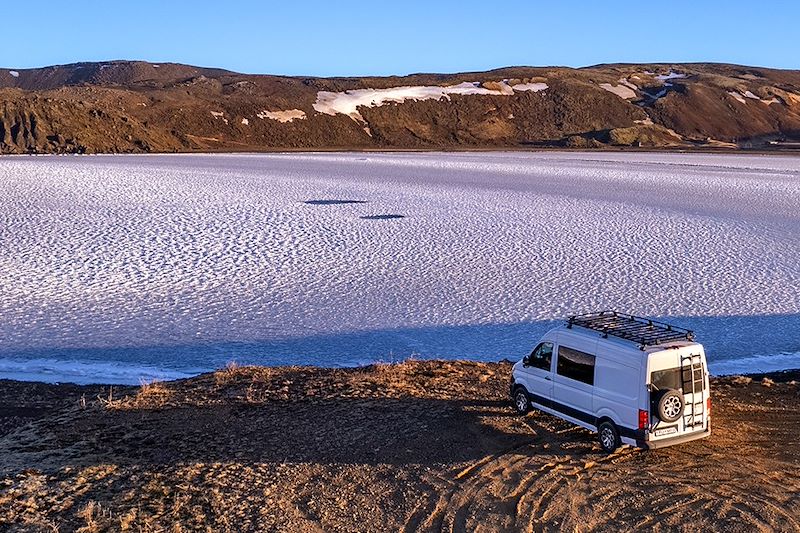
x=644 y=419
x=708 y=406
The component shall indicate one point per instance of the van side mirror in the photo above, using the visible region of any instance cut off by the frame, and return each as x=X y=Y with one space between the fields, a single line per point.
x=526 y=361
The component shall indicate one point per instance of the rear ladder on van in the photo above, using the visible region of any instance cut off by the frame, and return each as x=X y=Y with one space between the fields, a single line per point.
x=693 y=381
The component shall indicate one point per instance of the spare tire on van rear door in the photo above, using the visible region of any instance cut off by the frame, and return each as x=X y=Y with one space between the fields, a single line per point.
x=670 y=405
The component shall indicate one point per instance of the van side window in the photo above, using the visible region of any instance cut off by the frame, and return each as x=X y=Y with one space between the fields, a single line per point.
x=541 y=356
x=575 y=364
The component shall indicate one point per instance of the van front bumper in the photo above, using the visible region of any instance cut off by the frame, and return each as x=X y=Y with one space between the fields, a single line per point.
x=680 y=439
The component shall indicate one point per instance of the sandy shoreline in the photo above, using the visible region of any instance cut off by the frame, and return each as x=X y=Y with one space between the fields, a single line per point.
x=428 y=446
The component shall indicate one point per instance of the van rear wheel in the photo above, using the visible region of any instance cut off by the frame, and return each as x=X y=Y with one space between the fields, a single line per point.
x=521 y=402
x=608 y=435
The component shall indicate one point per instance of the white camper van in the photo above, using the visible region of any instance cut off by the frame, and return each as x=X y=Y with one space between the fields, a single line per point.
x=633 y=380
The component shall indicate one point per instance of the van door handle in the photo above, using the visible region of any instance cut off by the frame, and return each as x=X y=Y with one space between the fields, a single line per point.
x=548 y=379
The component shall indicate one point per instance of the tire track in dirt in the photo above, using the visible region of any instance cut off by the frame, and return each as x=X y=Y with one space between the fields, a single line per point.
x=522 y=488
x=664 y=489
x=559 y=479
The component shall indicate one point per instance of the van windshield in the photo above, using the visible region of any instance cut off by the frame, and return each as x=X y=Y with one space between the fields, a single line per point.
x=671 y=379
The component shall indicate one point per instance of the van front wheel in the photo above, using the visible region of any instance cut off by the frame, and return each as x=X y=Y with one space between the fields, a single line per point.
x=521 y=402
x=608 y=435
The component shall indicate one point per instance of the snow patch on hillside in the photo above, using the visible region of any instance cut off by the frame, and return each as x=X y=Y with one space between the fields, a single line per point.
x=623 y=91
x=14 y=73
x=502 y=87
x=737 y=96
x=670 y=76
x=533 y=87
x=283 y=116
x=219 y=114
x=348 y=102
x=749 y=95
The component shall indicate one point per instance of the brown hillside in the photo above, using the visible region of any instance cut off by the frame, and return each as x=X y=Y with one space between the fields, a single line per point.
x=141 y=107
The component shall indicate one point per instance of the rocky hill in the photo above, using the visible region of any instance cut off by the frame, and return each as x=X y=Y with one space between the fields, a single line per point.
x=124 y=106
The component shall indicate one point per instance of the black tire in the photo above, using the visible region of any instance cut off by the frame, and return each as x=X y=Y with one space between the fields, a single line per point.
x=522 y=404
x=670 y=405
x=608 y=435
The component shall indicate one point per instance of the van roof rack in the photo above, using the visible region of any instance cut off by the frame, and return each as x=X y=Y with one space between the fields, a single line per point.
x=643 y=331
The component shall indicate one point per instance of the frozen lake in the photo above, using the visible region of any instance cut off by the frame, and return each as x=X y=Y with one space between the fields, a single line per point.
x=114 y=268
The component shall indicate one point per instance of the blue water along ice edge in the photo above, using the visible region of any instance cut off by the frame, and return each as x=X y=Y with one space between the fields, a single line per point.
x=734 y=345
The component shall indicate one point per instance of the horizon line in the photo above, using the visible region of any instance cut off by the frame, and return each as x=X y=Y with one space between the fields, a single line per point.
x=418 y=73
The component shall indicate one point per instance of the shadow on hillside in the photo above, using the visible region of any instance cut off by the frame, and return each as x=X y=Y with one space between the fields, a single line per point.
x=347 y=431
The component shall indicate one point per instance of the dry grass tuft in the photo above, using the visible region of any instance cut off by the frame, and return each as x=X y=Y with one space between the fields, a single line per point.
x=381 y=367
x=127 y=520
x=261 y=387
x=41 y=524
x=225 y=376
x=151 y=395
x=95 y=518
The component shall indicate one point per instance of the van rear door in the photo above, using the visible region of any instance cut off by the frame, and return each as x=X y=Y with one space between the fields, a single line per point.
x=684 y=370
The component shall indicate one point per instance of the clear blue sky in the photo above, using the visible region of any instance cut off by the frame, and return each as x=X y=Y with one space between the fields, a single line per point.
x=326 y=38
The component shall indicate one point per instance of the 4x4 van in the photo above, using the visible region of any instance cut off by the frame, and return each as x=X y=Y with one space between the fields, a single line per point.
x=632 y=380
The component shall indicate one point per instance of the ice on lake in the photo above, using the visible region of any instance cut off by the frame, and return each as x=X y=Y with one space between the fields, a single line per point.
x=114 y=268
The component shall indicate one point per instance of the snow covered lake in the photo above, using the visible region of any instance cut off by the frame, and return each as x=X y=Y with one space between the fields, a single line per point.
x=117 y=268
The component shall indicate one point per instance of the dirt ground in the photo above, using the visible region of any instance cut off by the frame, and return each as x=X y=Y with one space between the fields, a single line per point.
x=419 y=446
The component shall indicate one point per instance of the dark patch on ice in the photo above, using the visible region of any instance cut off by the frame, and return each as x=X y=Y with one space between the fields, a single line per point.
x=382 y=217
x=334 y=202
